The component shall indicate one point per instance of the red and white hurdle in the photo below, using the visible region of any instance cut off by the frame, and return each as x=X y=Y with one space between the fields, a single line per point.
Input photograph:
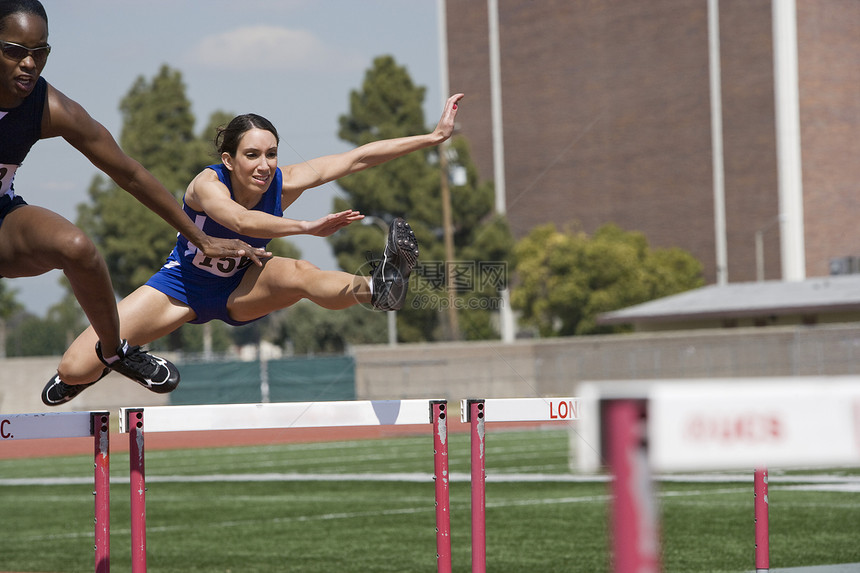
x=477 y=412
x=138 y=421
x=94 y=425
x=650 y=425
x=711 y=424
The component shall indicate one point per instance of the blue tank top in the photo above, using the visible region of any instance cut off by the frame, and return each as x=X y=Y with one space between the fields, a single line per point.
x=20 y=128
x=194 y=260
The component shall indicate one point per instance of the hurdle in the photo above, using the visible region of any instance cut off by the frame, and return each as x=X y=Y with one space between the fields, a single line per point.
x=137 y=421
x=712 y=425
x=476 y=412
x=761 y=510
x=635 y=542
x=94 y=425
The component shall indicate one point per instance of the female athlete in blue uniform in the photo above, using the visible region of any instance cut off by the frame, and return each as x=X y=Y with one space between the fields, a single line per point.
x=244 y=198
x=34 y=240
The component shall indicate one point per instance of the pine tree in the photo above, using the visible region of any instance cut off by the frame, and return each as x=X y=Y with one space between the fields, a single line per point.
x=390 y=105
x=158 y=132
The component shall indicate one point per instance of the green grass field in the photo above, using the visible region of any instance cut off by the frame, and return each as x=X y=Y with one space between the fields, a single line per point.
x=322 y=517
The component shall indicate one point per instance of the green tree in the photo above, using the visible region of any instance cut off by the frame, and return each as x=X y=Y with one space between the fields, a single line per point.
x=158 y=129
x=67 y=317
x=48 y=336
x=389 y=105
x=314 y=330
x=34 y=336
x=566 y=279
x=158 y=132
x=9 y=307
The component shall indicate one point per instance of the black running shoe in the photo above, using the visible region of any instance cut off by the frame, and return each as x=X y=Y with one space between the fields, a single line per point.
x=150 y=371
x=391 y=275
x=57 y=392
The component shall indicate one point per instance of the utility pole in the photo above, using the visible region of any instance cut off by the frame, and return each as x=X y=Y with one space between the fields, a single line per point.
x=448 y=231
x=447 y=219
x=506 y=315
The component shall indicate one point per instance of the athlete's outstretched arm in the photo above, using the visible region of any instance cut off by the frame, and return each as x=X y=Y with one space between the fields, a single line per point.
x=303 y=176
x=208 y=194
x=69 y=120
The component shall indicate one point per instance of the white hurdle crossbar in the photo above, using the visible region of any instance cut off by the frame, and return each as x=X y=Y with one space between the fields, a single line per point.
x=94 y=425
x=285 y=416
x=478 y=411
x=282 y=415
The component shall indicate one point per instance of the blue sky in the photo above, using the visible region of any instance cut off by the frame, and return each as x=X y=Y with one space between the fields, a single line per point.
x=292 y=61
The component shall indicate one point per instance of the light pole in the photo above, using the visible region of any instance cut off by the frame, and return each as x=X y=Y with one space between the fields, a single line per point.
x=508 y=325
x=447 y=217
x=759 y=247
x=448 y=232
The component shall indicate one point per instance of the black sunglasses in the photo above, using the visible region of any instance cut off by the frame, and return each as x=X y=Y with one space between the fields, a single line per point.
x=18 y=52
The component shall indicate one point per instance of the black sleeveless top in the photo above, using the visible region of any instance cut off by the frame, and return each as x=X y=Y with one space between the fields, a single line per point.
x=20 y=128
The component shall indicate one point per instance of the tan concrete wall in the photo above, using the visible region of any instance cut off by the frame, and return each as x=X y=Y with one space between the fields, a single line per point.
x=22 y=380
x=454 y=371
x=555 y=367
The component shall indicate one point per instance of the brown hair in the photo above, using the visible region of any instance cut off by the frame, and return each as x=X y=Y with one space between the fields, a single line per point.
x=227 y=138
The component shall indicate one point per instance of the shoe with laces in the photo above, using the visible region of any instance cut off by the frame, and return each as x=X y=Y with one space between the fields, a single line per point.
x=57 y=392
x=390 y=276
x=150 y=371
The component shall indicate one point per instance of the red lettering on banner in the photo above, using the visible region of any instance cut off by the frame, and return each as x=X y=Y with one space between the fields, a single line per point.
x=564 y=410
x=749 y=428
x=3 y=433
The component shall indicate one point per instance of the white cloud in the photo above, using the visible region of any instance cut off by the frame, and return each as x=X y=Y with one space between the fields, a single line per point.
x=270 y=48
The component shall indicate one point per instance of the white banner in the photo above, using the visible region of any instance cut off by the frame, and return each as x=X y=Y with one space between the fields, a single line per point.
x=729 y=424
x=526 y=409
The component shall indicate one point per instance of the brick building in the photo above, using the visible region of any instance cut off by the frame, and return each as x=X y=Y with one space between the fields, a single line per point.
x=607 y=118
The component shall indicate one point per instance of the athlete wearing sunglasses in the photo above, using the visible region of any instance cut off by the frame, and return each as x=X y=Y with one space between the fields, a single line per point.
x=17 y=52
x=34 y=240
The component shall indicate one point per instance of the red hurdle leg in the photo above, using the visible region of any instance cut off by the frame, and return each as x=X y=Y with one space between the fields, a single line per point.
x=478 y=485
x=138 y=490
x=439 y=415
x=101 y=438
x=762 y=549
x=634 y=519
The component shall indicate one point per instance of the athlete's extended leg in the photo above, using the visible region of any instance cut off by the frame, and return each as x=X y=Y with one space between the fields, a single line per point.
x=34 y=241
x=282 y=282
x=146 y=315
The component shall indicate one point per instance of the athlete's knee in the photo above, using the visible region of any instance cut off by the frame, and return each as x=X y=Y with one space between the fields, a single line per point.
x=78 y=250
x=74 y=370
x=305 y=266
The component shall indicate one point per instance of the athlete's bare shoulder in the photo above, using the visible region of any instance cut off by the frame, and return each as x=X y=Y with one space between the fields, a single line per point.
x=65 y=117
x=204 y=183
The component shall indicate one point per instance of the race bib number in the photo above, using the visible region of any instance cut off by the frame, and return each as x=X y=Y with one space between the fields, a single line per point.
x=222 y=267
x=7 y=174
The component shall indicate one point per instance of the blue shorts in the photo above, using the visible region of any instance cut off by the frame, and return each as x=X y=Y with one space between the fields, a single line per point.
x=8 y=205
x=206 y=295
